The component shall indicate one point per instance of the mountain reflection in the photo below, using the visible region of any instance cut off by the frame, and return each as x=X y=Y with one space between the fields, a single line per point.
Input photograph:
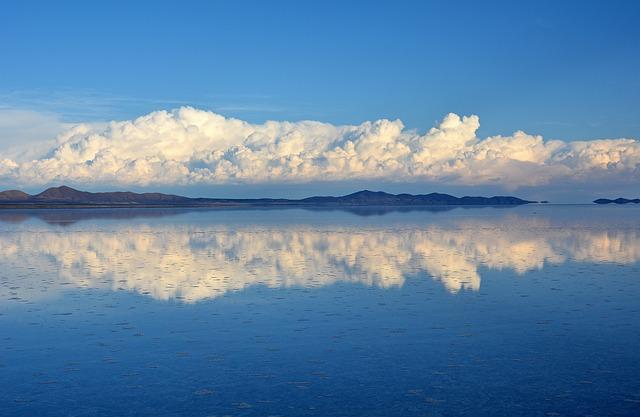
x=191 y=263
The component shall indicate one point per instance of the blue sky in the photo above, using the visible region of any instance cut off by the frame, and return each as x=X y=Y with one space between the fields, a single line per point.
x=567 y=70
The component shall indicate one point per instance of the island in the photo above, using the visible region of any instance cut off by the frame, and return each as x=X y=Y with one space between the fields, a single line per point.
x=67 y=197
x=617 y=201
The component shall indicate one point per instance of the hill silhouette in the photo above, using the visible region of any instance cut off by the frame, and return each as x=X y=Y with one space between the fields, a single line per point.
x=67 y=196
x=617 y=201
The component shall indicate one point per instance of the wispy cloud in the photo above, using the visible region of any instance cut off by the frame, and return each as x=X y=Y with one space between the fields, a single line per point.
x=26 y=135
x=85 y=105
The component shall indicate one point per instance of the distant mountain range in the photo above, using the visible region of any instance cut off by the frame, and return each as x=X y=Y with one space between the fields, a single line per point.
x=617 y=201
x=69 y=197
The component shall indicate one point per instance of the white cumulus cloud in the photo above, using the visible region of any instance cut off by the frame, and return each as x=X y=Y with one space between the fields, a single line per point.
x=191 y=146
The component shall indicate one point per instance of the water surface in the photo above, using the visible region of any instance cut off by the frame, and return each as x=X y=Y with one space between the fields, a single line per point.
x=530 y=311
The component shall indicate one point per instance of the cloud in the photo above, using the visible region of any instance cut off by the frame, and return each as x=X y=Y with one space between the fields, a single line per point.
x=191 y=262
x=26 y=134
x=190 y=146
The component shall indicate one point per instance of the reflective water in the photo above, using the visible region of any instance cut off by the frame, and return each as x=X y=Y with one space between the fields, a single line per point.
x=531 y=311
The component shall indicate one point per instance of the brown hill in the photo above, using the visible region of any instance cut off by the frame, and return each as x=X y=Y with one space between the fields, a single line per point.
x=14 y=195
x=71 y=195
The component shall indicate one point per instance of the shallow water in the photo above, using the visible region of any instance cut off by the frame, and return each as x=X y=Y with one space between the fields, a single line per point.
x=527 y=311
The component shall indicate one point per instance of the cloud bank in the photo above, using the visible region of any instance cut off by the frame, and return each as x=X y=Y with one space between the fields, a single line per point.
x=190 y=146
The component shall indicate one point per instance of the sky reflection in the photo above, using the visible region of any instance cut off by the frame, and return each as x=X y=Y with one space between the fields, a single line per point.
x=190 y=261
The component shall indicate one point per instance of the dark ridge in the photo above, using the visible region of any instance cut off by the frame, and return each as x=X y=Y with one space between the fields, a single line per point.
x=13 y=195
x=66 y=194
x=617 y=201
x=69 y=197
x=367 y=197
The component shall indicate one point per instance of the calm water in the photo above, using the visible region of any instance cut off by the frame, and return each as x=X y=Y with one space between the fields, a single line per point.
x=528 y=311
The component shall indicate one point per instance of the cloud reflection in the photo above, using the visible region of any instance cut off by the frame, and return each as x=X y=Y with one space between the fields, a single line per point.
x=192 y=263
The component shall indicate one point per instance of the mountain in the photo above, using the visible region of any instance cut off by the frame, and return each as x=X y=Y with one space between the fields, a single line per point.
x=69 y=197
x=617 y=201
x=66 y=194
x=370 y=198
x=14 y=195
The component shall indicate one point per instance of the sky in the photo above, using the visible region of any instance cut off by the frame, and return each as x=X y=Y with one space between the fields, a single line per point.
x=287 y=99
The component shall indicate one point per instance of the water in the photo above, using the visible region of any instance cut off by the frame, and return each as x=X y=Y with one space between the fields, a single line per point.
x=528 y=311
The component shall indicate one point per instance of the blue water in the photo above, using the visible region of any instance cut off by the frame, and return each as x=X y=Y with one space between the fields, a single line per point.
x=528 y=311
